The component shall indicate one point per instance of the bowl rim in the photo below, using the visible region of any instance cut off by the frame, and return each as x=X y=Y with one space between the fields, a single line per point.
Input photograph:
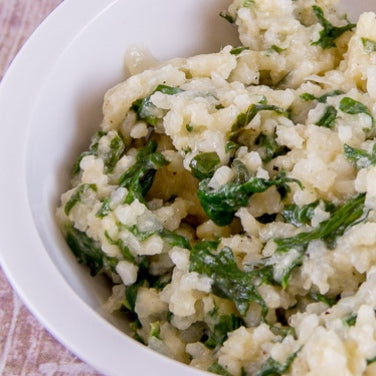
x=34 y=276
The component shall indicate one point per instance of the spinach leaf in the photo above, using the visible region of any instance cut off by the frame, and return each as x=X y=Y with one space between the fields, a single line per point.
x=369 y=45
x=299 y=215
x=246 y=117
x=274 y=49
x=271 y=148
x=371 y=360
x=294 y=247
x=93 y=150
x=231 y=145
x=322 y=99
x=350 y=320
x=86 y=250
x=154 y=329
x=113 y=155
x=359 y=157
x=323 y=299
x=104 y=209
x=225 y=324
x=125 y=251
x=139 y=177
x=353 y=107
x=219 y=370
x=203 y=165
x=228 y=280
x=329 y=33
x=168 y=236
x=220 y=205
x=271 y=367
x=242 y=174
x=146 y=110
x=328 y=119
x=248 y=3
x=238 y=50
x=227 y=17
x=77 y=195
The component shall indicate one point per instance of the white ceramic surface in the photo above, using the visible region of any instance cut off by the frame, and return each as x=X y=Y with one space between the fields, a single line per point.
x=50 y=104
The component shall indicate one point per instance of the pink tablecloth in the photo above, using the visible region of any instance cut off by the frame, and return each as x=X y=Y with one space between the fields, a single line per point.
x=26 y=349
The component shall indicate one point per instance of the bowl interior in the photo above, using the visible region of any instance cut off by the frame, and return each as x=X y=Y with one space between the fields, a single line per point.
x=67 y=109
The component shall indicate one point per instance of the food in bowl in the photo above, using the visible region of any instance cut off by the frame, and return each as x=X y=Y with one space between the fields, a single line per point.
x=230 y=197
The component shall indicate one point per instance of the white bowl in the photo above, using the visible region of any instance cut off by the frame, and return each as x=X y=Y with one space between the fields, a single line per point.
x=50 y=104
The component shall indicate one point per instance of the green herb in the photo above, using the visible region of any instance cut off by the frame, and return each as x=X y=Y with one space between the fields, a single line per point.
x=154 y=329
x=189 y=127
x=329 y=117
x=227 y=17
x=267 y=218
x=221 y=204
x=86 y=250
x=353 y=107
x=231 y=145
x=344 y=217
x=219 y=370
x=299 y=215
x=242 y=174
x=271 y=148
x=369 y=45
x=371 y=360
x=77 y=196
x=271 y=367
x=322 y=99
x=145 y=108
x=203 y=165
x=329 y=33
x=125 y=251
x=274 y=48
x=248 y=3
x=350 y=320
x=93 y=150
x=139 y=177
x=323 y=299
x=228 y=280
x=113 y=155
x=238 y=50
x=105 y=208
x=246 y=117
x=225 y=324
x=359 y=157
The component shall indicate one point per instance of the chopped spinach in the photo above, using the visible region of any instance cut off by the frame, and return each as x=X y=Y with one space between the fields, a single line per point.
x=323 y=299
x=113 y=155
x=139 y=177
x=322 y=99
x=228 y=280
x=219 y=370
x=154 y=329
x=353 y=107
x=271 y=148
x=189 y=127
x=371 y=360
x=125 y=251
x=77 y=195
x=350 y=320
x=274 y=48
x=105 y=208
x=329 y=33
x=329 y=117
x=93 y=150
x=225 y=324
x=247 y=3
x=299 y=215
x=369 y=45
x=231 y=145
x=221 y=204
x=359 y=157
x=227 y=17
x=86 y=250
x=238 y=50
x=246 y=117
x=242 y=174
x=203 y=165
x=271 y=367
x=146 y=110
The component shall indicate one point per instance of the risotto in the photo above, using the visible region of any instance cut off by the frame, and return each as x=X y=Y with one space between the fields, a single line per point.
x=231 y=197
